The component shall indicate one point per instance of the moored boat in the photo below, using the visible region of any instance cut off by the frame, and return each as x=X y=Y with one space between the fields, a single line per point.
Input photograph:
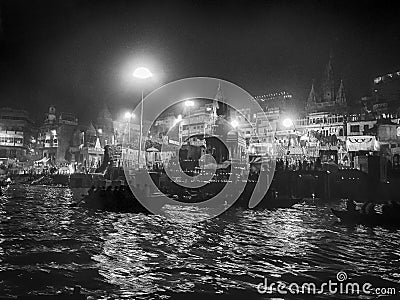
x=120 y=199
x=80 y=183
x=376 y=219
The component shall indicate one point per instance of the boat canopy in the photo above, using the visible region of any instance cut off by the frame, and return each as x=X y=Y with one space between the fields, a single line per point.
x=153 y=149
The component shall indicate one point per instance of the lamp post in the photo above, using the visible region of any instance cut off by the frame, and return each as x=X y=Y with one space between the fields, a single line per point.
x=141 y=73
x=129 y=116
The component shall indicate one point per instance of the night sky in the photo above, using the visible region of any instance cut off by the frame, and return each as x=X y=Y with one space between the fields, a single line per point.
x=78 y=54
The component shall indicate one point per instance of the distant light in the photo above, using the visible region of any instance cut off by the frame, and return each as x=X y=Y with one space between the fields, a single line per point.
x=287 y=122
x=189 y=103
x=177 y=120
x=235 y=123
x=129 y=115
x=142 y=73
x=100 y=130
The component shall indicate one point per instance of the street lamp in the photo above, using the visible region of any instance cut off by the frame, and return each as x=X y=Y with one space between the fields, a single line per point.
x=234 y=123
x=143 y=74
x=189 y=104
x=288 y=122
x=129 y=116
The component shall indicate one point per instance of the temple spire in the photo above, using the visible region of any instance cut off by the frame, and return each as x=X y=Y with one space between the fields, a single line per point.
x=90 y=130
x=312 y=98
x=219 y=96
x=341 y=95
x=328 y=85
x=104 y=113
x=219 y=103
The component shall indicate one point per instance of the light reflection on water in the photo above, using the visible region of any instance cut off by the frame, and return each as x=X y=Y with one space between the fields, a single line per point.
x=47 y=247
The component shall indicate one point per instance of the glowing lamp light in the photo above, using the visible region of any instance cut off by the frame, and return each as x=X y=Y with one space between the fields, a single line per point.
x=100 y=130
x=177 y=120
x=189 y=103
x=129 y=115
x=234 y=123
x=142 y=73
x=287 y=122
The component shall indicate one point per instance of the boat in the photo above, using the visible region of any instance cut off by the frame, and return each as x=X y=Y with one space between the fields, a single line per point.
x=80 y=183
x=119 y=199
x=355 y=217
x=286 y=202
x=103 y=197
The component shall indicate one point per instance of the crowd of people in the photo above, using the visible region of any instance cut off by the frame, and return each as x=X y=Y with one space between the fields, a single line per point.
x=291 y=164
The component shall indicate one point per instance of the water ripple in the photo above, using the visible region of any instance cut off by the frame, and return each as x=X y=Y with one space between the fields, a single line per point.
x=46 y=246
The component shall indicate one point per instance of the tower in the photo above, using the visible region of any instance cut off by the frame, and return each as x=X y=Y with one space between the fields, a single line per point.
x=328 y=85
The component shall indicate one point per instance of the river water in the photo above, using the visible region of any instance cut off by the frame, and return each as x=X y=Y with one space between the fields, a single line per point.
x=47 y=247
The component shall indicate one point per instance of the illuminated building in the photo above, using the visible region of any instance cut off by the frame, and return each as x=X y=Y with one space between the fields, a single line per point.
x=17 y=135
x=55 y=136
x=386 y=94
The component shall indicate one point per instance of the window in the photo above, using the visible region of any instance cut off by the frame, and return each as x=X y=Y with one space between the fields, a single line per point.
x=366 y=127
x=341 y=132
x=354 y=128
